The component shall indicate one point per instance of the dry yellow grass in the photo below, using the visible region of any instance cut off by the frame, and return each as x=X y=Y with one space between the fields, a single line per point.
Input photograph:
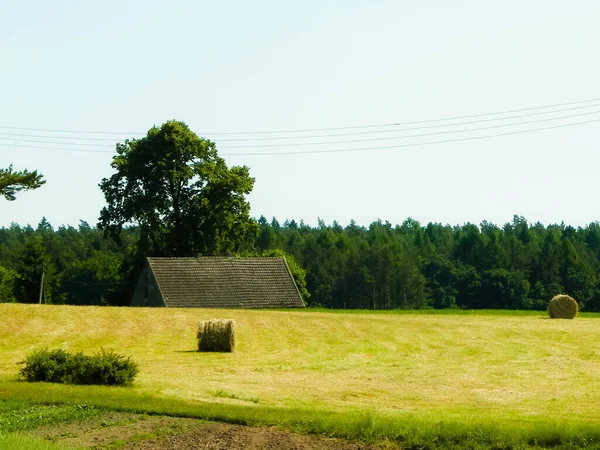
x=455 y=366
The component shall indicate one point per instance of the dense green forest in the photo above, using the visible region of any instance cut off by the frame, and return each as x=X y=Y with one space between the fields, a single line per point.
x=184 y=200
x=517 y=266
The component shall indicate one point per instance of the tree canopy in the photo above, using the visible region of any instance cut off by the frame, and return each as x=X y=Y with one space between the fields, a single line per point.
x=172 y=195
x=12 y=182
x=516 y=266
x=185 y=200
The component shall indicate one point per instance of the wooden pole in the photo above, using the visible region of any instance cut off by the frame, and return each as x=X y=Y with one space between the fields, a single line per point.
x=42 y=284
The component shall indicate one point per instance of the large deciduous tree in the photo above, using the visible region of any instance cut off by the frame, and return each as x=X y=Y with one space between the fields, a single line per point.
x=12 y=182
x=185 y=200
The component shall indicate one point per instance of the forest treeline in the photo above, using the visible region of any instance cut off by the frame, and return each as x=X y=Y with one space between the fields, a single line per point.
x=516 y=266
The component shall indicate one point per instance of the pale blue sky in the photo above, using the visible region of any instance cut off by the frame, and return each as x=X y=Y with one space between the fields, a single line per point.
x=236 y=66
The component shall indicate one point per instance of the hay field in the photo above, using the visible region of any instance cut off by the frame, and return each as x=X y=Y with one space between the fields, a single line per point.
x=462 y=368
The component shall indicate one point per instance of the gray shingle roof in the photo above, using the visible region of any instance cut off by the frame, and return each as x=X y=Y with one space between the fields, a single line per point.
x=222 y=282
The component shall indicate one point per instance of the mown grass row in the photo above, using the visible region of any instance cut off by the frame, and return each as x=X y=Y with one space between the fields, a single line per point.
x=421 y=381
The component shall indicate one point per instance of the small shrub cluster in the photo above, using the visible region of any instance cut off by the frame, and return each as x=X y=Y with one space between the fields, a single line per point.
x=563 y=307
x=216 y=335
x=59 y=366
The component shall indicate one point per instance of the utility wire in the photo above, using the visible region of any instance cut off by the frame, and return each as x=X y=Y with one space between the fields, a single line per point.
x=472 y=138
x=72 y=138
x=416 y=144
x=445 y=125
x=79 y=144
x=37 y=147
x=410 y=129
x=349 y=141
x=51 y=130
x=412 y=123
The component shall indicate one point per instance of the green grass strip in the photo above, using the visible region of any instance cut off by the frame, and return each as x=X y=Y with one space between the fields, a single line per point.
x=15 y=441
x=16 y=415
x=411 y=431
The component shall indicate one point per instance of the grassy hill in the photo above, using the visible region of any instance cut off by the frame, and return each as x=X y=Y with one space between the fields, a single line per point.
x=354 y=375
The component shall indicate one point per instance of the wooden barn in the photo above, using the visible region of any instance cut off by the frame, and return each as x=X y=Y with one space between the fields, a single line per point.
x=217 y=282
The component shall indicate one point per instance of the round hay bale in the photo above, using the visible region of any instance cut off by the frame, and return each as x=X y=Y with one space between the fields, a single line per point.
x=216 y=335
x=562 y=307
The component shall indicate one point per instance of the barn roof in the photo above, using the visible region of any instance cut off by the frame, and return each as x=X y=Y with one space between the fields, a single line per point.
x=224 y=282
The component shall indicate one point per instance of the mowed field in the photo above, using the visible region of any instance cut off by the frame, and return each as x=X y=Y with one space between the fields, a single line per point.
x=500 y=371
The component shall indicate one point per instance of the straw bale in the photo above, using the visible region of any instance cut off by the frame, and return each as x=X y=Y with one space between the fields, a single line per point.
x=217 y=335
x=562 y=307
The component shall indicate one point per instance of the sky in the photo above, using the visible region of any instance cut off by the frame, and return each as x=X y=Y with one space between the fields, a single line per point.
x=121 y=67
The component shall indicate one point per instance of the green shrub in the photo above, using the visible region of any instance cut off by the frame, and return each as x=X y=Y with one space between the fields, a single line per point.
x=113 y=369
x=45 y=365
x=59 y=366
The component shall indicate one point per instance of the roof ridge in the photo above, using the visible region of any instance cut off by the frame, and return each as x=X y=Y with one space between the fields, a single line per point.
x=214 y=257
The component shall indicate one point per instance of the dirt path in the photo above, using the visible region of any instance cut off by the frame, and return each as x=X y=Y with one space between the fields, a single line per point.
x=141 y=432
x=220 y=436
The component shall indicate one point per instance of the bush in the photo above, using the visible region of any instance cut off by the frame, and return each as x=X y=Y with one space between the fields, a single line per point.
x=59 y=366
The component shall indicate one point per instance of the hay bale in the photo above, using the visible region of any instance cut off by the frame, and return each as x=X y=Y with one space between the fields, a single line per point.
x=562 y=307
x=217 y=335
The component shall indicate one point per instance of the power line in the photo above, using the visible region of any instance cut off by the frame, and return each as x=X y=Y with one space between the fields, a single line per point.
x=445 y=125
x=59 y=143
x=472 y=138
x=37 y=147
x=410 y=129
x=416 y=144
x=409 y=123
x=349 y=141
x=51 y=130
x=72 y=138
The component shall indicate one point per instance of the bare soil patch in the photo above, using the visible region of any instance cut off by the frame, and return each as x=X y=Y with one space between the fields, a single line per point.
x=217 y=436
x=142 y=432
x=113 y=428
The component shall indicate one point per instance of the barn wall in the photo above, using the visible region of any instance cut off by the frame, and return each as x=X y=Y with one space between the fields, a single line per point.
x=146 y=291
x=154 y=296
